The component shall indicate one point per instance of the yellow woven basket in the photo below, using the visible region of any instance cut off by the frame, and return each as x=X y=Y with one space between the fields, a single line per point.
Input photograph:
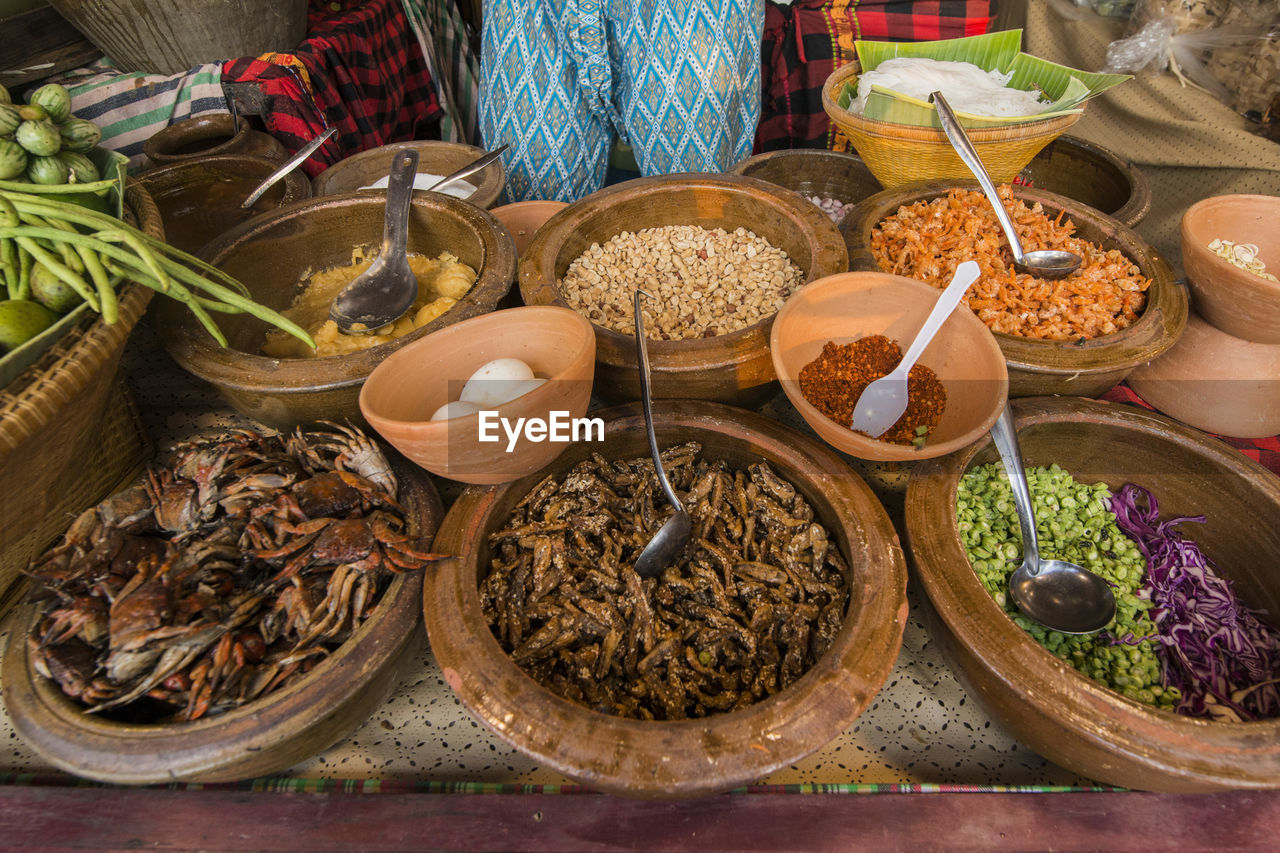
x=68 y=432
x=901 y=154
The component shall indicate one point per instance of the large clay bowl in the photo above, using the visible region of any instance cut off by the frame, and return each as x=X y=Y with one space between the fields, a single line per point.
x=257 y=739
x=1215 y=382
x=199 y=198
x=272 y=256
x=210 y=135
x=852 y=305
x=434 y=157
x=687 y=757
x=834 y=175
x=1087 y=369
x=1059 y=712
x=733 y=368
x=1093 y=175
x=1235 y=300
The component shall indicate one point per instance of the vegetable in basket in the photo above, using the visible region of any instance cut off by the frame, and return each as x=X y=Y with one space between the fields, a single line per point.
x=41 y=140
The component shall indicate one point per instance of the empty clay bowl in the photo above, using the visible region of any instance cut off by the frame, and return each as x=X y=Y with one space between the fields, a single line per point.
x=732 y=368
x=834 y=175
x=1093 y=175
x=1059 y=712
x=845 y=307
x=524 y=218
x=1215 y=382
x=435 y=157
x=680 y=758
x=1238 y=302
x=273 y=255
x=199 y=198
x=401 y=394
x=210 y=135
x=1087 y=368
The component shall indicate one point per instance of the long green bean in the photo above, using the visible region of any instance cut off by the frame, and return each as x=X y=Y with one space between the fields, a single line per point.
x=56 y=267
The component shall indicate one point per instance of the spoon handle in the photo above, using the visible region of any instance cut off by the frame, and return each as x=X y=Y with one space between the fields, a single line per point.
x=965 y=275
x=642 y=351
x=469 y=169
x=395 y=228
x=292 y=163
x=969 y=155
x=1005 y=436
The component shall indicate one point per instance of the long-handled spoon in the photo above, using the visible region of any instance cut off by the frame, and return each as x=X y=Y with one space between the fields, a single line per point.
x=1055 y=593
x=884 y=400
x=670 y=540
x=292 y=163
x=1046 y=263
x=469 y=169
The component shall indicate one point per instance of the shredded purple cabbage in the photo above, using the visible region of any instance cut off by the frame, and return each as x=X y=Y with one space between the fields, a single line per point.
x=1217 y=651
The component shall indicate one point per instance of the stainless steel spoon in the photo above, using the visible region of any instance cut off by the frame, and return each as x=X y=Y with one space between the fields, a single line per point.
x=469 y=169
x=292 y=163
x=1046 y=263
x=670 y=540
x=1055 y=593
x=382 y=293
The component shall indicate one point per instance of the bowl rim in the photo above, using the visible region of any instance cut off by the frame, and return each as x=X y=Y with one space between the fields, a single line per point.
x=870 y=448
x=491 y=180
x=1220 y=265
x=944 y=570
x=822 y=702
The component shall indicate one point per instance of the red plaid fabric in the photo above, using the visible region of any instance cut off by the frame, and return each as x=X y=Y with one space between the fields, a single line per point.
x=804 y=42
x=1264 y=451
x=359 y=69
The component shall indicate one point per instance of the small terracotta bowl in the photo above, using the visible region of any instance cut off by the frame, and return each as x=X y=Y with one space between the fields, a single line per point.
x=1059 y=712
x=845 y=307
x=1215 y=382
x=435 y=157
x=681 y=758
x=524 y=218
x=1087 y=369
x=1238 y=302
x=401 y=394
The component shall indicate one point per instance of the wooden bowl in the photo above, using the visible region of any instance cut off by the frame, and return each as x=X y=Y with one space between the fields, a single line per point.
x=834 y=175
x=1215 y=382
x=434 y=158
x=732 y=368
x=1238 y=302
x=401 y=394
x=1087 y=369
x=1059 y=712
x=273 y=253
x=199 y=198
x=1093 y=175
x=686 y=757
x=210 y=135
x=848 y=306
x=257 y=739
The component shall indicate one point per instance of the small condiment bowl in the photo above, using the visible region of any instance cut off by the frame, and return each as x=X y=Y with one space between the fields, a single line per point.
x=848 y=306
x=1237 y=301
x=835 y=175
x=403 y=392
x=435 y=157
x=524 y=218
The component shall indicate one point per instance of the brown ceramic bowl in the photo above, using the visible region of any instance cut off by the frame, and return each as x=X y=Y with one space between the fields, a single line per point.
x=435 y=157
x=210 y=135
x=1059 y=712
x=1036 y=367
x=687 y=757
x=834 y=175
x=1215 y=382
x=401 y=394
x=272 y=256
x=199 y=198
x=524 y=218
x=732 y=368
x=1238 y=302
x=258 y=739
x=1092 y=175
x=845 y=307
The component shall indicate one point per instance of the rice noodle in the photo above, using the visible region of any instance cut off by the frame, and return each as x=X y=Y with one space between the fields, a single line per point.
x=966 y=87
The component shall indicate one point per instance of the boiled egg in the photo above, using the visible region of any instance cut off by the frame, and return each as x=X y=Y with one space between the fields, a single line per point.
x=456 y=409
x=497 y=382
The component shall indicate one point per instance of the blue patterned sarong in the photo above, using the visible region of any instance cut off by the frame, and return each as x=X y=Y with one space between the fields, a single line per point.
x=679 y=80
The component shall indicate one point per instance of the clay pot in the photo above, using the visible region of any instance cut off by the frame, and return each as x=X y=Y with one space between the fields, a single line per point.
x=1060 y=713
x=211 y=135
x=1093 y=175
x=733 y=368
x=524 y=218
x=273 y=254
x=434 y=158
x=200 y=198
x=1087 y=369
x=813 y=172
x=681 y=758
x=848 y=306
x=1238 y=302
x=401 y=394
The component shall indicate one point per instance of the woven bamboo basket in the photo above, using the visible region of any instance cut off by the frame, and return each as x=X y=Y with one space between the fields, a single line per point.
x=900 y=153
x=68 y=431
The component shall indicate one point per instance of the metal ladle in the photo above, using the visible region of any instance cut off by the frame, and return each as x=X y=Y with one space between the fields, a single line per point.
x=1046 y=263
x=670 y=540
x=1055 y=593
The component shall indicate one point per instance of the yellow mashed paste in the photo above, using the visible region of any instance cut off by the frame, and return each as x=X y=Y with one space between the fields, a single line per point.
x=441 y=283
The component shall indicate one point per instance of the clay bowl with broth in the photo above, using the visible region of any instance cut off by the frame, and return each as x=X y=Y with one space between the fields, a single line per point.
x=675 y=758
x=274 y=255
x=734 y=367
x=1080 y=367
